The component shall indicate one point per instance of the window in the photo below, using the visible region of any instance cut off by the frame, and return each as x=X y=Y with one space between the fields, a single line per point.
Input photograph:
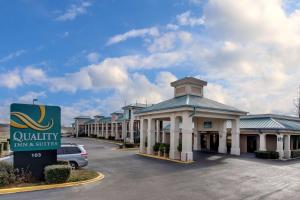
x=71 y=150
x=60 y=151
x=207 y=125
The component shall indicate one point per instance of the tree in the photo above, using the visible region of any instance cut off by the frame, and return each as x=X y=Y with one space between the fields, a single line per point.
x=297 y=103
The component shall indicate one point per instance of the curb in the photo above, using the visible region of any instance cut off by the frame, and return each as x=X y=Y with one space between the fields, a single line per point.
x=167 y=159
x=125 y=149
x=51 y=186
x=102 y=140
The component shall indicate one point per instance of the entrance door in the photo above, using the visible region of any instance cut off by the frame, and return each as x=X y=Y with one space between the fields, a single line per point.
x=214 y=142
x=203 y=141
x=251 y=144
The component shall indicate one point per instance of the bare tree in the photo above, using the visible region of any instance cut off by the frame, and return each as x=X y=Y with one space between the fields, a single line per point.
x=297 y=102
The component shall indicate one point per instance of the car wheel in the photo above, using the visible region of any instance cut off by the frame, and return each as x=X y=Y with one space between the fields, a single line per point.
x=73 y=165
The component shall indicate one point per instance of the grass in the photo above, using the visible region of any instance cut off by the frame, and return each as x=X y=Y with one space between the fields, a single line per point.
x=82 y=175
x=76 y=176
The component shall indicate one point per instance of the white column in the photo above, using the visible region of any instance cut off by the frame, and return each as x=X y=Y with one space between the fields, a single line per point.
x=279 y=147
x=106 y=130
x=89 y=130
x=131 y=130
x=157 y=131
x=207 y=141
x=77 y=129
x=85 y=129
x=174 y=136
x=235 y=137
x=102 y=129
x=97 y=129
x=144 y=129
x=123 y=129
x=163 y=133
x=287 y=146
x=187 y=130
x=151 y=135
x=262 y=142
x=116 y=131
x=196 y=136
x=222 y=137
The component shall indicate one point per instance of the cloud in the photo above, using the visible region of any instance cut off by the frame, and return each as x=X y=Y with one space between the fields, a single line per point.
x=252 y=55
x=152 y=31
x=30 y=75
x=12 y=55
x=186 y=19
x=29 y=96
x=34 y=75
x=74 y=11
x=169 y=40
x=93 y=57
x=11 y=79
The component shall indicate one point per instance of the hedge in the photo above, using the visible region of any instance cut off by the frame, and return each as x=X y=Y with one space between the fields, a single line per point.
x=156 y=147
x=295 y=153
x=57 y=173
x=129 y=145
x=267 y=154
x=7 y=174
x=62 y=162
x=4 y=178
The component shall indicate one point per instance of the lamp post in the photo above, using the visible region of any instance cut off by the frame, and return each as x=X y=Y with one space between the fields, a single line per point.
x=34 y=100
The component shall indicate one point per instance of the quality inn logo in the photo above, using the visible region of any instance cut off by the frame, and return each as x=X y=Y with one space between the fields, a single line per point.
x=35 y=127
x=28 y=122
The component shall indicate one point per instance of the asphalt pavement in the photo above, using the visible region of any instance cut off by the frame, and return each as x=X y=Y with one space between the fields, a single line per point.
x=213 y=176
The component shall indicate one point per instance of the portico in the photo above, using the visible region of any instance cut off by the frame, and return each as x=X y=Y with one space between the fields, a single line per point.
x=190 y=116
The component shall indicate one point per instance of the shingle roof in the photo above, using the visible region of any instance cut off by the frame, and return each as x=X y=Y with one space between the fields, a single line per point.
x=135 y=105
x=270 y=121
x=82 y=117
x=190 y=101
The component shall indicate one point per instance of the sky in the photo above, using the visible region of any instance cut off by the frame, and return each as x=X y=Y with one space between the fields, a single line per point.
x=93 y=57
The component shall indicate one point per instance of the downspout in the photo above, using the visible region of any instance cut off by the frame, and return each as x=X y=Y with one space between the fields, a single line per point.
x=193 y=113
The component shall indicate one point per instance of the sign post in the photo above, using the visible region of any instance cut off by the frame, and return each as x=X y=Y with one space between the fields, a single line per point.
x=35 y=135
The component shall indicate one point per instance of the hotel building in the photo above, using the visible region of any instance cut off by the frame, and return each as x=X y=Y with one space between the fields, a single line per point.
x=195 y=123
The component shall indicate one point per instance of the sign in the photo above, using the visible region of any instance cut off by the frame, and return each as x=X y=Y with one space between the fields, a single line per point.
x=35 y=127
x=35 y=161
x=207 y=125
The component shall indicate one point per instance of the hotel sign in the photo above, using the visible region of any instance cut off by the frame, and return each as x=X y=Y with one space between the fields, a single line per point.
x=35 y=127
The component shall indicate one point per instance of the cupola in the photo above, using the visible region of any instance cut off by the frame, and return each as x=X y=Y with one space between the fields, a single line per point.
x=188 y=86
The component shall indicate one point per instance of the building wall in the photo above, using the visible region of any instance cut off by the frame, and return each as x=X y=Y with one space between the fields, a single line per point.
x=4 y=133
x=271 y=142
x=243 y=143
x=215 y=124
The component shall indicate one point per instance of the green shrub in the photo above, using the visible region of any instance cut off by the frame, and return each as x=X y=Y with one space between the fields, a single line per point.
x=23 y=176
x=267 y=154
x=179 y=147
x=57 y=173
x=62 y=162
x=4 y=178
x=111 y=137
x=4 y=166
x=156 y=147
x=162 y=147
x=7 y=173
x=295 y=153
x=129 y=145
x=0 y=148
x=167 y=148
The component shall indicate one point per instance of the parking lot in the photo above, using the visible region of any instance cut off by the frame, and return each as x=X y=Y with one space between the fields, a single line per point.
x=132 y=177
